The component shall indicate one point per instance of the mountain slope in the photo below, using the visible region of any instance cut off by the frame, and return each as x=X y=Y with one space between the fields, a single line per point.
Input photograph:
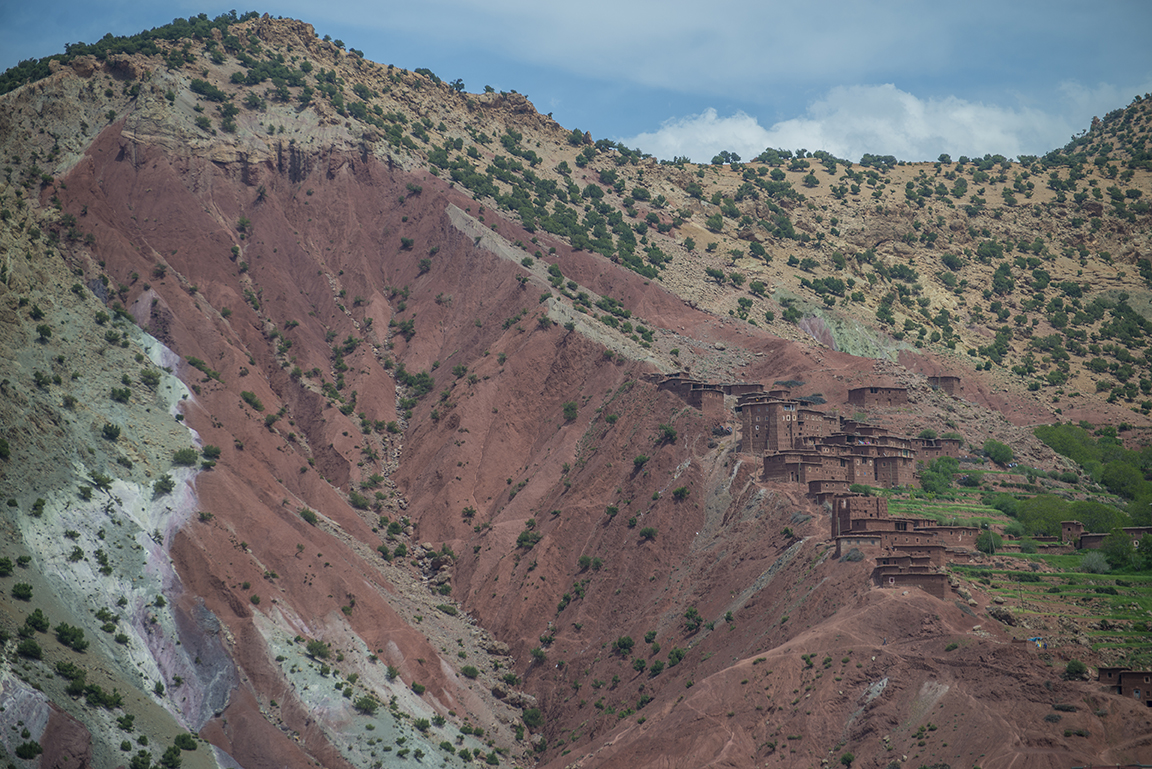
x=422 y=333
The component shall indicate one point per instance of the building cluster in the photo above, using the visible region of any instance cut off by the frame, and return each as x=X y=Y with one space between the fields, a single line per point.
x=908 y=551
x=822 y=452
x=826 y=453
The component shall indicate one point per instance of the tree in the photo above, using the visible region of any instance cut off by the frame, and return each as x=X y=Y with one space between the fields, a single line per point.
x=317 y=649
x=1075 y=671
x=936 y=478
x=366 y=705
x=163 y=485
x=570 y=410
x=1144 y=552
x=715 y=222
x=998 y=452
x=715 y=274
x=1117 y=548
x=988 y=542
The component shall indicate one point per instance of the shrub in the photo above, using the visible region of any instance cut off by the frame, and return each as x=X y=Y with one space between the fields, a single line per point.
x=1095 y=562
x=648 y=533
x=163 y=485
x=251 y=399
x=680 y=493
x=309 y=516
x=533 y=718
x=72 y=637
x=22 y=591
x=570 y=410
x=639 y=461
x=420 y=689
x=30 y=649
x=998 y=452
x=28 y=750
x=110 y=431
x=185 y=741
x=366 y=705
x=1075 y=671
x=469 y=671
x=185 y=457
x=317 y=649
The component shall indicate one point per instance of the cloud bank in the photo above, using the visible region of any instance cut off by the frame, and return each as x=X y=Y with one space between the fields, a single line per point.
x=879 y=119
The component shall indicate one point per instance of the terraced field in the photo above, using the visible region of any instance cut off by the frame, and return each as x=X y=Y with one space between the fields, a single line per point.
x=1108 y=613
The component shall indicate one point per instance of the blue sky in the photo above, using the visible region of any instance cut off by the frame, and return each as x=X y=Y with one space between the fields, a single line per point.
x=911 y=79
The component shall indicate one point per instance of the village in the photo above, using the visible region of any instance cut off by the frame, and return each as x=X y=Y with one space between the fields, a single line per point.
x=826 y=455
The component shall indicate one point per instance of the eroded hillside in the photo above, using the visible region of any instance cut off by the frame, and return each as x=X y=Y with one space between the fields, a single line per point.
x=437 y=508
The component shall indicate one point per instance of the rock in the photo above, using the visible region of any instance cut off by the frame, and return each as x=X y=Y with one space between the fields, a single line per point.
x=521 y=700
x=720 y=346
x=998 y=599
x=492 y=646
x=1002 y=615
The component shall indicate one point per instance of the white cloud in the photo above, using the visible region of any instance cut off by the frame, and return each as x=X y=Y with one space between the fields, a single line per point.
x=879 y=119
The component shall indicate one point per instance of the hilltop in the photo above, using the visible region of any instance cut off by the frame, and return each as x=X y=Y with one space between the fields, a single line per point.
x=333 y=419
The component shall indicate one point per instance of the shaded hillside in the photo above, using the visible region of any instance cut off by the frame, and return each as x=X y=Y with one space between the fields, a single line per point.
x=438 y=507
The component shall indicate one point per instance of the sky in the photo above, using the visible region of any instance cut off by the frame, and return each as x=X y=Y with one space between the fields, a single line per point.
x=913 y=79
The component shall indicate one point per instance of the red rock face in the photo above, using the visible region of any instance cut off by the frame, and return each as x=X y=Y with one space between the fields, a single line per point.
x=328 y=246
x=66 y=742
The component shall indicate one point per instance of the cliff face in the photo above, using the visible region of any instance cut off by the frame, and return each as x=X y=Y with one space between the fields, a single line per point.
x=439 y=499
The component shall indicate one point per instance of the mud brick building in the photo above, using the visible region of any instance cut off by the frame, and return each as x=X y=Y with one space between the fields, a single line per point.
x=946 y=383
x=878 y=396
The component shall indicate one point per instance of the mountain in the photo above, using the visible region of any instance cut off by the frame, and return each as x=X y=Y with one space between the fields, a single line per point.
x=339 y=427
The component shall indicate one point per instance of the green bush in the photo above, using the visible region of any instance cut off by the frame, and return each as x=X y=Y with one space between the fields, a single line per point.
x=570 y=411
x=30 y=649
x=468 y=671
x=309 y=516
x=998 y=452
x=185 y=741
x=185 y=457
x=251 y=399
x=22 y=591
x=72 y=637
x=1075 y=671
x=648 y=533
x=366 y=705
x=163 y=485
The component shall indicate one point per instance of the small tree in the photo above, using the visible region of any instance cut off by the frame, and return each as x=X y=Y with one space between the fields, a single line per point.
x=570 y=411
x=1117 y=548
x=998 y=452
x=317 y=649
x=988 y=542
x=1075 y=671
x=366 y=705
